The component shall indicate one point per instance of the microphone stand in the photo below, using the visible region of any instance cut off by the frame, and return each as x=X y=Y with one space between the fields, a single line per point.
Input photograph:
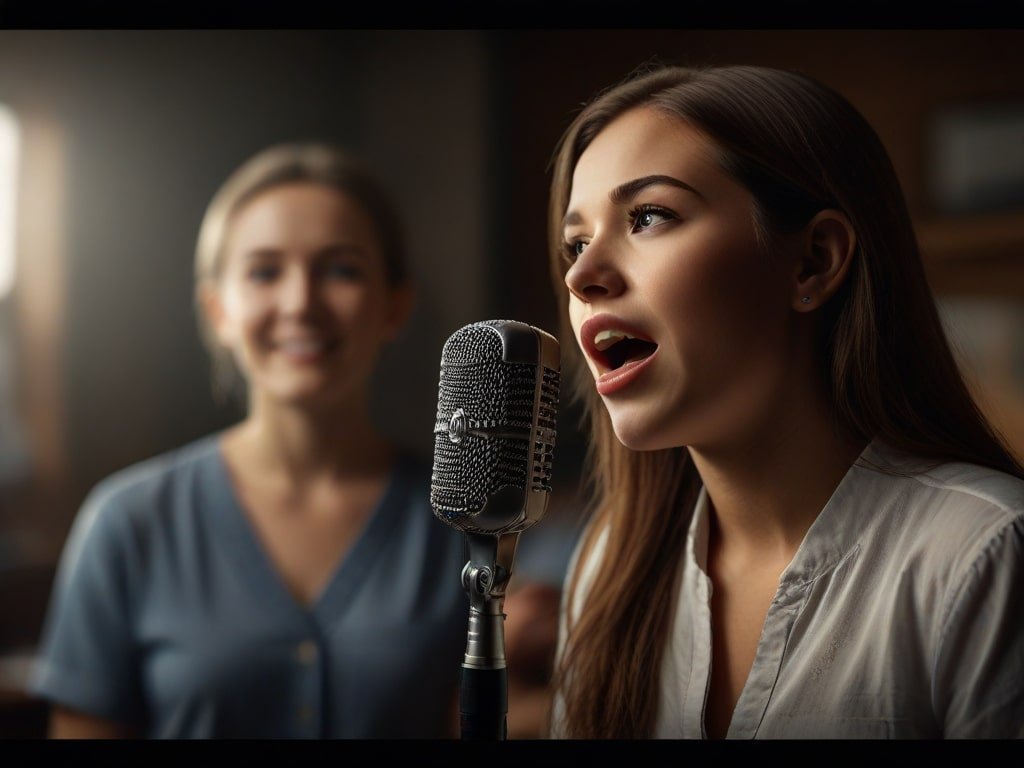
x=483 y=688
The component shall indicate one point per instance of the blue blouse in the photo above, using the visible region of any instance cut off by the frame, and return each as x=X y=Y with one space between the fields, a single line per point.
x=168 y=615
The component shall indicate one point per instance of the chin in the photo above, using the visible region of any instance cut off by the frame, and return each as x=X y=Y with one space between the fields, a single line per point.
x=311 y=393
x=640 y=437
x=670 y=425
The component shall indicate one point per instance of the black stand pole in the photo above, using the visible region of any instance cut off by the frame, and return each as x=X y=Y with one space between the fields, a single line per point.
x=483 y=688
x=483 y=704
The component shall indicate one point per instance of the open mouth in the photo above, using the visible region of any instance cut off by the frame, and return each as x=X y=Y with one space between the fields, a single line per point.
x=612 y=349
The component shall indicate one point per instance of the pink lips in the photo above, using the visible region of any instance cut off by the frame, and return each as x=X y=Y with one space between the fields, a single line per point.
x=614 y=380
x=304 y=351
x=622 y=377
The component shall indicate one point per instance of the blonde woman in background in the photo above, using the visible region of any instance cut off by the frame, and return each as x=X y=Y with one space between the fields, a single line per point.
x=284 y=578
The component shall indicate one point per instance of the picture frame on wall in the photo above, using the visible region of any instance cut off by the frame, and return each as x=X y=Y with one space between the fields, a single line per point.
x=976 y=158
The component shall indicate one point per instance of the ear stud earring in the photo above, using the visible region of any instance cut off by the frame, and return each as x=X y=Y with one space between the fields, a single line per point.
x=806 y=300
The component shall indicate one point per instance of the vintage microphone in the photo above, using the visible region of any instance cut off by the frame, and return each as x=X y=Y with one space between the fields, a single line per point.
x=494 y=442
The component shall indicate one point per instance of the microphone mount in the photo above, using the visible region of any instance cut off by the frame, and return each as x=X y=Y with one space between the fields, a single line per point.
x=485 y=578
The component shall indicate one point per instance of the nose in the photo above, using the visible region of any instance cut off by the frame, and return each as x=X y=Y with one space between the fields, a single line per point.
x=297 y=291
x=593 y=275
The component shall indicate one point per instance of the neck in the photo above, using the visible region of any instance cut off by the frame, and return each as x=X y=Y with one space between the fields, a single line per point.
x=336 y=441
x=766 y=490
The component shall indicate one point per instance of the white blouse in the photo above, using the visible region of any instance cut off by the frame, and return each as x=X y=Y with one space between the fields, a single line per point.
x=900 y=616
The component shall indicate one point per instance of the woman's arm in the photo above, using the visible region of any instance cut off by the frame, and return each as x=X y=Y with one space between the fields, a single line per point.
x=85 y=652
x=979 y=673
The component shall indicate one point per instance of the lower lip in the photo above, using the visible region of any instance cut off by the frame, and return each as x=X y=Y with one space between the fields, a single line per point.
x=620 y=378
x=305 y=357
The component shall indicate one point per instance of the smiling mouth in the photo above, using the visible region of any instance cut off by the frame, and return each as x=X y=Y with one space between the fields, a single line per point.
x=614 y=349
x=304 y=348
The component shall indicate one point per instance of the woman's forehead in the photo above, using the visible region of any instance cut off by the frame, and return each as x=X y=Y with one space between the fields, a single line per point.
x=640 y=143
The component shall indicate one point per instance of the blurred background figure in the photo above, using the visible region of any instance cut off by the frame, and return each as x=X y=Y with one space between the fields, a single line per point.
x=284 y=577
x=531 y=634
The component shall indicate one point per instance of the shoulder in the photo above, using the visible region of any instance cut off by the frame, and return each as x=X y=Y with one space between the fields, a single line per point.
x=949 y=491
x=956 y=513
x=106 y=548
x=975 y=487
x=155 y=473
x=137 y=493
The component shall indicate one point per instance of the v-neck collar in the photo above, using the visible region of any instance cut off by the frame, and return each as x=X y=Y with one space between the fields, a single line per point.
x=831 y=537
x=242 y=545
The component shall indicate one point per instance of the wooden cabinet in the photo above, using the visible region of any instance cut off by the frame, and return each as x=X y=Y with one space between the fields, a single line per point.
x=980 y=255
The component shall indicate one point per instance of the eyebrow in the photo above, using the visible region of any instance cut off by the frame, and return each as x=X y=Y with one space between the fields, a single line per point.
x=336 y=249
x=342 y=249
x=630 y=189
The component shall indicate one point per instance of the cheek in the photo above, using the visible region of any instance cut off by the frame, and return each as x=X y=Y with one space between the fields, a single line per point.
x=245 y=310
x=706 y=301
x=723 y=301
x=361 y=303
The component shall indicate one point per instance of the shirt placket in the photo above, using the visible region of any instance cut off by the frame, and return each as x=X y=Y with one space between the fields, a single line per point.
x=307 y=717
x=764 y=672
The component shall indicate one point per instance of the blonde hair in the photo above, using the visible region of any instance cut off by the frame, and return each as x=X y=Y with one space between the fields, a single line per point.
x=285 y=164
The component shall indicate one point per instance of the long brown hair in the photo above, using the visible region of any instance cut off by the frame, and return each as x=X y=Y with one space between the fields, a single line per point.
x=798 y=147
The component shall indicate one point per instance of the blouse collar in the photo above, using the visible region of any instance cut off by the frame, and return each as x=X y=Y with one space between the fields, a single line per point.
x=834 y=532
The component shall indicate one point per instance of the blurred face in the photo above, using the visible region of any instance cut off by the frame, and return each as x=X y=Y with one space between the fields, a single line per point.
x=303 y=300
x=681 y=315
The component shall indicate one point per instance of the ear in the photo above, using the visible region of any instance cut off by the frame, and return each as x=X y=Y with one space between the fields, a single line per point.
x=211 y=304
x=826 y=252
x=401 y=305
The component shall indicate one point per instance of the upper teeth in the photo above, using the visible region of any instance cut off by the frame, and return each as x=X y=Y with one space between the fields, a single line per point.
x=605 y=339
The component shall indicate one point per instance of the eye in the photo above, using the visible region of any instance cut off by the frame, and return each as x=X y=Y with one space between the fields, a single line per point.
x=645 y=217
x=341 y=270
x=262 y=273
x=573 y=250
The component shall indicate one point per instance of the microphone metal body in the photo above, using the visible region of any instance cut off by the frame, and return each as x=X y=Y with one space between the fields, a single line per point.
x=494 y=440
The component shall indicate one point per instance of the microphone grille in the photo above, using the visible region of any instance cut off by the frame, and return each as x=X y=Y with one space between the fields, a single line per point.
x=546 y=422
x=485 y=423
